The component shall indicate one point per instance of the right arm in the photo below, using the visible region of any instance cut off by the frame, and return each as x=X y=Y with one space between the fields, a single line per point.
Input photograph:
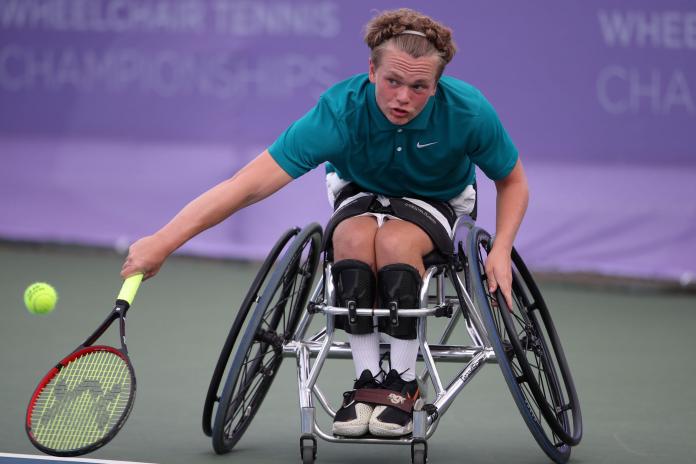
x=254 y=182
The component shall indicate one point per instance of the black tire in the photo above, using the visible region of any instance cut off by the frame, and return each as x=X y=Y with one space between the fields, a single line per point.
x=541 y=345
x=250 y=300
x=419 y=457
x=529 y=353
x=307 y=452
x=260 y=353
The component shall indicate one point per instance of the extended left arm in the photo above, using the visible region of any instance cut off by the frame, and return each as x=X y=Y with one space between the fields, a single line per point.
x=511 y=204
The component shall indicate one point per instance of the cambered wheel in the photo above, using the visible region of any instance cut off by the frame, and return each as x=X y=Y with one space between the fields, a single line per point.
x=260 y=352
x=249 y=302
x=529 y=353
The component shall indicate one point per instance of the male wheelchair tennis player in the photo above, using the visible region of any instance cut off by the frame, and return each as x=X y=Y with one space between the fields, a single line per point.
x=413 y=135
x=274 y=320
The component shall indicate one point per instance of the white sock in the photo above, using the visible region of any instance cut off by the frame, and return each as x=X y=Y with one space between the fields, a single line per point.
x=403 y=355
x=365 y=348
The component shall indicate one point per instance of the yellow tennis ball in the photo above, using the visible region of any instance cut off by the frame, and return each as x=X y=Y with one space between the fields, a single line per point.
x=40 y=298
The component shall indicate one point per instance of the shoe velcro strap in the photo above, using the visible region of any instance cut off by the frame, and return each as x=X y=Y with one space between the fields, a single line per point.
x=385 y=397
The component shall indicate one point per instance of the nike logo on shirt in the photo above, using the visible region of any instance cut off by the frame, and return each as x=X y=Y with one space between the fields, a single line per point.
x=419 y=145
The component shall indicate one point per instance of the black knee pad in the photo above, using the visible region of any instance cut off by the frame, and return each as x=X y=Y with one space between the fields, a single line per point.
x=354 y=282
x=399 y=284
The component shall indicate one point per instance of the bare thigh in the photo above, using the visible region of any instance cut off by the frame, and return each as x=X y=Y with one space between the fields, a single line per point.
x=401 y=242
x=354 y=238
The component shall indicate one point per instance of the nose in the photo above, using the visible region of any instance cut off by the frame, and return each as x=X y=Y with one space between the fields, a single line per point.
x=402 y=95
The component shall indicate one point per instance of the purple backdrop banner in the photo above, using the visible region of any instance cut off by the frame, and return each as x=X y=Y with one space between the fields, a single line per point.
x=115 y=113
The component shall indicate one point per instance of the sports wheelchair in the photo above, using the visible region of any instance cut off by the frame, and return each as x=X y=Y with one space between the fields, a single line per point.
x=273 y=323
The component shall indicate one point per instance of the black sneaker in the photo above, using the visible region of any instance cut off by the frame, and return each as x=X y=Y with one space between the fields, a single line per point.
x=387 y=421
x=352 y=418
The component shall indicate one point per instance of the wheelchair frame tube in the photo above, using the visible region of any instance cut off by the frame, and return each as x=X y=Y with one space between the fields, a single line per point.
x=441 y=297
x=380 y=312
x=322 y=346
x=474 y=322
x=477 y=362
x=307 y=317
x=323 y=353
x=341 y=350
x=421 y=328
x=303 y=375
x=323 y=401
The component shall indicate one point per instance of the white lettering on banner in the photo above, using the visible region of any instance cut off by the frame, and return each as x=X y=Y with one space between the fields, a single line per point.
x=246 y=18
x=673 y=30
x=622 y=90
x=664 y=88
x=295 y=71
x=164 y=73
x=104 y=15
x=228 y=17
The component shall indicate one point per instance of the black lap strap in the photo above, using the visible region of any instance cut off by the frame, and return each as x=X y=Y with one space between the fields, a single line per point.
x=411 y=212
x=353 y=201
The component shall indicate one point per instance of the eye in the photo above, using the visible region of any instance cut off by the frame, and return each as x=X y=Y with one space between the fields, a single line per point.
x=393 y=82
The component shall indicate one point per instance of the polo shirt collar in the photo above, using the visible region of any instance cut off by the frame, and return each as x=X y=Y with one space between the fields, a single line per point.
x=381 y=123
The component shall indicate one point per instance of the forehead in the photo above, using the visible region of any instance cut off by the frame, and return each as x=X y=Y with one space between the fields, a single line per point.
x=405 y=66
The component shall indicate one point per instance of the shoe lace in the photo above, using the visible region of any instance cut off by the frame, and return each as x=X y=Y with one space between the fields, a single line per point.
x=382 y=373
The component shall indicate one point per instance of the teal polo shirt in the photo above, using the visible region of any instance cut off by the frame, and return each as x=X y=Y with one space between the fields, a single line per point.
x=432 y=156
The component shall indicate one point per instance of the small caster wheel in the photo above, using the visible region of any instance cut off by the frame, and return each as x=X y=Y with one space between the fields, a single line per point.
x=419 y=451
x=419 y=457
x=307 y=452
x=308 y=449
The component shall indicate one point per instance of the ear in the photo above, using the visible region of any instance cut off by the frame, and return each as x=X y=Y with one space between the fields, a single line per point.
x=371 y=72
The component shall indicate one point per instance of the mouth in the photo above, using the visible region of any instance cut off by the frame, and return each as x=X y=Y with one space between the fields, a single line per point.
x=398 y=112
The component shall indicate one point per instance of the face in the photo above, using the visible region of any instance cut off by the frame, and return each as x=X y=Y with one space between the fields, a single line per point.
x=403 y=84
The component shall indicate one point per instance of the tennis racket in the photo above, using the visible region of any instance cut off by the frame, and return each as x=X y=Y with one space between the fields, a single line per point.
x=82 y=403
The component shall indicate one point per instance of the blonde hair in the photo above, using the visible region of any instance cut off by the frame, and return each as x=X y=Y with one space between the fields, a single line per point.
x=388 y=27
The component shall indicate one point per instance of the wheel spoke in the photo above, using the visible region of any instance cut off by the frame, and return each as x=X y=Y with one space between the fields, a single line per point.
x=246 y=394
x=255 y=358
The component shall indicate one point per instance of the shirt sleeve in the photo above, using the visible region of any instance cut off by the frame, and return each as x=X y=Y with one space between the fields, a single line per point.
x=310 y=141
x=491 y=148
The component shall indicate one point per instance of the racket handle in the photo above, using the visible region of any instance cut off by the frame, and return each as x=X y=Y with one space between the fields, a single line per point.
x=130 y=288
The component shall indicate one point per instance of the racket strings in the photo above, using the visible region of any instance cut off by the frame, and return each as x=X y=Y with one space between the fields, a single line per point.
x=83 y=402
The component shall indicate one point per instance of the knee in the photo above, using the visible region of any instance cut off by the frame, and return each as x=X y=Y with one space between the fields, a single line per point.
x=351 y=242
x=394 y=248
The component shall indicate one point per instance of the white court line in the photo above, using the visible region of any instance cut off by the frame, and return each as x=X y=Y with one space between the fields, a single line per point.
x=69 y=459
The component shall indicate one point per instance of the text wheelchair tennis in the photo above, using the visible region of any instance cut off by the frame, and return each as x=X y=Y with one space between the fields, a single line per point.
x=274 y=319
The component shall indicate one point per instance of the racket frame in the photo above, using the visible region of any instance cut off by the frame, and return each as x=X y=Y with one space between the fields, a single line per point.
x=119 y=312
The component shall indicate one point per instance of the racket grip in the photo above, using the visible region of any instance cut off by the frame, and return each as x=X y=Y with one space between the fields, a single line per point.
x=130 y=288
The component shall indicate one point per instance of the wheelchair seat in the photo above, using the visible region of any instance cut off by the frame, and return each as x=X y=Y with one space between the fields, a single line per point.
x=435 y=258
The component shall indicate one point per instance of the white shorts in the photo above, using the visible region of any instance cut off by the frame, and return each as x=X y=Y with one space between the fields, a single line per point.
x=463 y=204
